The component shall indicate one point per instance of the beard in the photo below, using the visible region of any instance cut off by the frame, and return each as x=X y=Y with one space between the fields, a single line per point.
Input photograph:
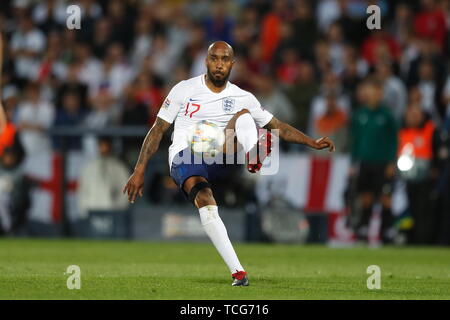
x=218 y=82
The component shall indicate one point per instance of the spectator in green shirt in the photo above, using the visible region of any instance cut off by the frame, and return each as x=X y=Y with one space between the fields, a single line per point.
x=373 y=149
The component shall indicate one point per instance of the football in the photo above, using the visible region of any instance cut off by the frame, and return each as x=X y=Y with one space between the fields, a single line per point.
x=206 y=138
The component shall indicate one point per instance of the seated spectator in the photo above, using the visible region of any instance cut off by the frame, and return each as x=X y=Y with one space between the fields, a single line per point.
x=143 y=92
x=322 y=63
x=121 y=21
x=394 y=91
x=242 y=35
x=51 y=65
x=102 y=37
x=331 y=85
x=305 y=25
x=301 y=94
x=337 y=47
x=425 y=50
x=378 y=45
x=239 y=76
x=178 y=32
x=287 y=70
x=143 y=40
x=193 y=56
x=89 y=67
x=27 y=43
x=429 y=88
x=285 y=43
x=116 y=74
x=402 y=25
x=254 y=60
x=49 y=15
x=163 y=57
x=72 y=84
x=353 y=19
x=327 y=12
x=355 y=70
x=273 y=99
x=101 y=182
x=71 y=114
x=415 y=96
x=134 y=114
x=430 y=22
x=34 y=116
x=105 y=112
x=218 y=25
x=270 y=32
x=332 y=124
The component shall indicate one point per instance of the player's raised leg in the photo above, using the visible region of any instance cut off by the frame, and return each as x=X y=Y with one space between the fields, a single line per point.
x=245 y=129
x=200 y=193
x=256 y=145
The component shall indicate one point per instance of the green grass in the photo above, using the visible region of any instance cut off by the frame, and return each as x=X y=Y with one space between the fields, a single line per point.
x=34 y=269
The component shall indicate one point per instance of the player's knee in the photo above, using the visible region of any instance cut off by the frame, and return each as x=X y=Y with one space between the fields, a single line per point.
x=205 y=197
x=240 y=113
x=201 y=194
x=232 y=123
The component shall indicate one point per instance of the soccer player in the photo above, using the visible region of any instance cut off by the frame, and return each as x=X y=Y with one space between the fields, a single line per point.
x=213 y=98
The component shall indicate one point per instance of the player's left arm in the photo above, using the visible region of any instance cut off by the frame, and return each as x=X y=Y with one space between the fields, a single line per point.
x=290 y=134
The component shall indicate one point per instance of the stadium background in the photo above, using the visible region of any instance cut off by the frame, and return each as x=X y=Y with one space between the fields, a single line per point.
x=66 y=91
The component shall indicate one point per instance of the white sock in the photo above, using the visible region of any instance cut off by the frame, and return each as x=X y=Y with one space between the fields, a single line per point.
x=246 y=131
x=216 y=231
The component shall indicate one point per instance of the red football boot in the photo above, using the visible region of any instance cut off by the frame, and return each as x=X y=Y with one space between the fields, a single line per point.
x=240 y=279
x=255 y=157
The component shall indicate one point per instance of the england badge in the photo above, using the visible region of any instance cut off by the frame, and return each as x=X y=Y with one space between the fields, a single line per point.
x=228 y=105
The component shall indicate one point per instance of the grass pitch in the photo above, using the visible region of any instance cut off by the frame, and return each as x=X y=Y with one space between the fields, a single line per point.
x=34 y=269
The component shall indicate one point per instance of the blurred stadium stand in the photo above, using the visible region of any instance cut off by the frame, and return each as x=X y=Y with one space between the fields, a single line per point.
x=306 y=61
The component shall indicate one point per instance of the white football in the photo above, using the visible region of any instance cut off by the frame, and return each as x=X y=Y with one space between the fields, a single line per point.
x=206 y=138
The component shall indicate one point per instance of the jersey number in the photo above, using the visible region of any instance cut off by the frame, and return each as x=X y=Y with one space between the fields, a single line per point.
x=187 y=109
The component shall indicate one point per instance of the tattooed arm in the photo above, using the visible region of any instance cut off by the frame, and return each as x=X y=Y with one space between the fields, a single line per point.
x=135 y=184
x=290 y=134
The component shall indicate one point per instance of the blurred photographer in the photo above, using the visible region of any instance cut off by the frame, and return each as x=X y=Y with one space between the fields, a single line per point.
x=415 y=156
x=14 y=186
x=14 y=193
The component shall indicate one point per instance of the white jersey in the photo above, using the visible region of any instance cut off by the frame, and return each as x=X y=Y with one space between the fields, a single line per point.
x=191 y=101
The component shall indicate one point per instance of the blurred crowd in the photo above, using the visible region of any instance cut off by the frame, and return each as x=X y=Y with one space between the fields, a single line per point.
x=379 y=94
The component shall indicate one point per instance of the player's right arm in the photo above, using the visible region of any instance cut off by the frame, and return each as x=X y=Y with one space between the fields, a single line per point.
x=135 y=184
x=266 y=120
x=166 y=115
